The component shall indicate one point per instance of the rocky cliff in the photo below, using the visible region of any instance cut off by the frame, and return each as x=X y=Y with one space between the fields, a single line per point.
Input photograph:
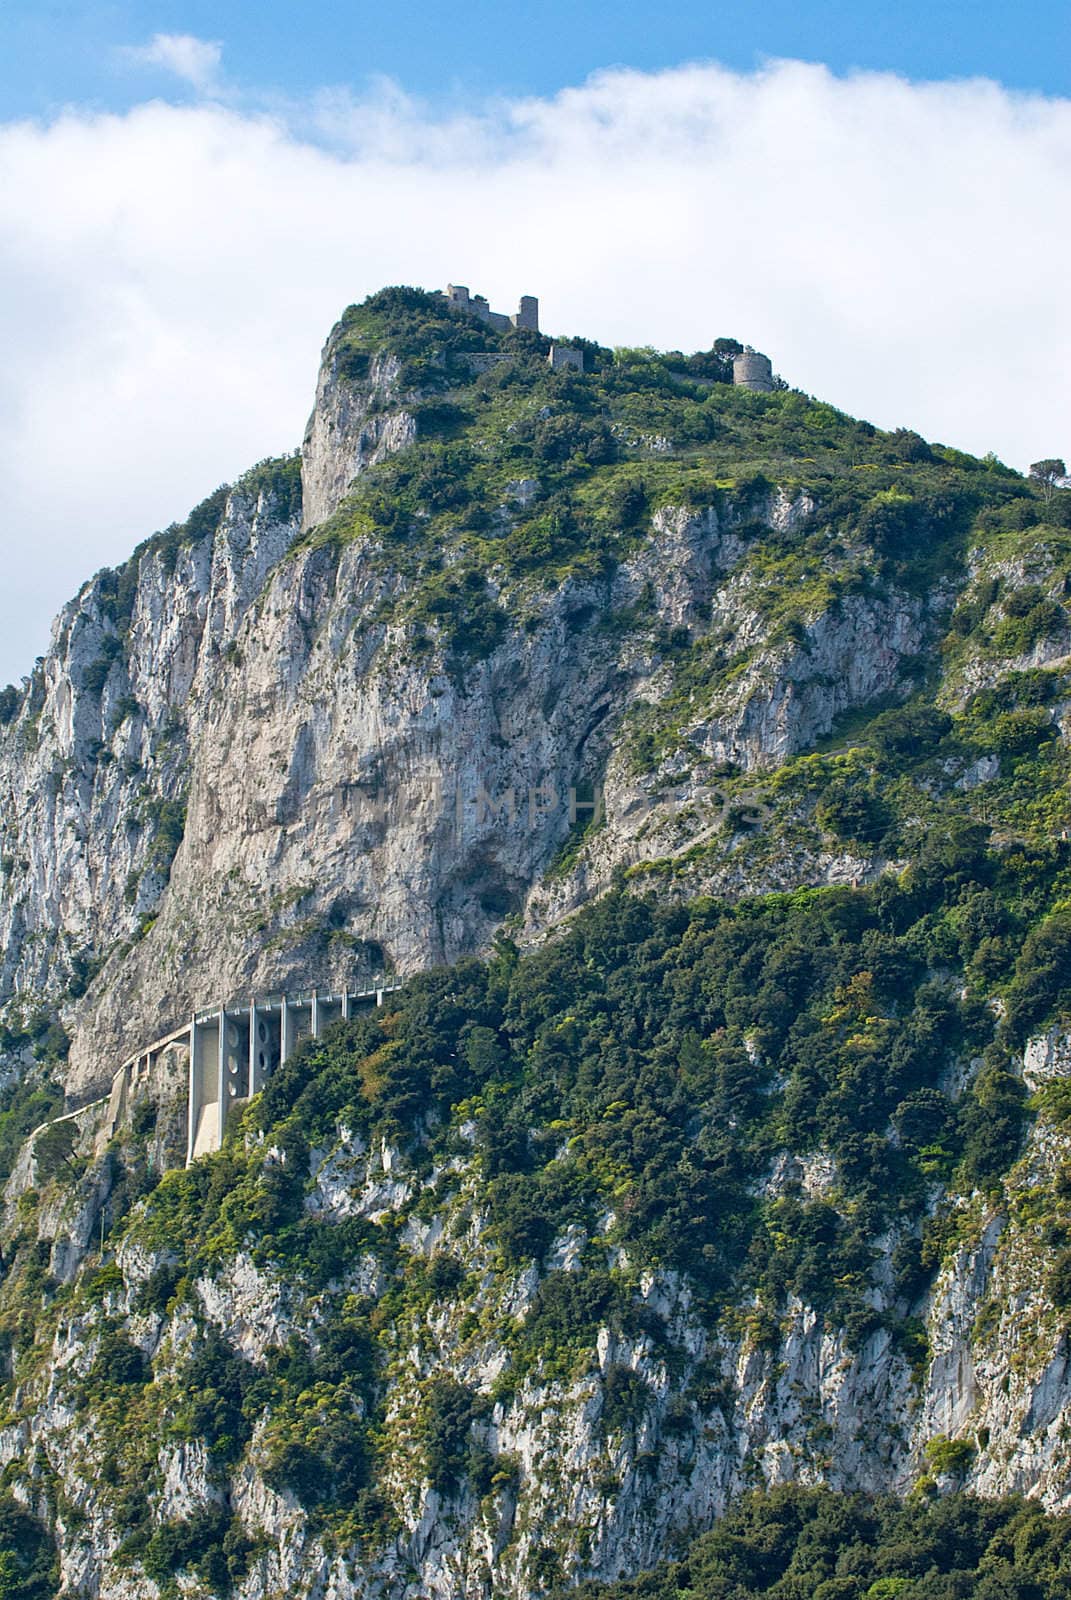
x=732 y=735
x=259 y=771
x=497 y=1473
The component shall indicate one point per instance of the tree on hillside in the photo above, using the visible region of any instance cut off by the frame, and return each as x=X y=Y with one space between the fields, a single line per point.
x=53 y=1150
x=29 y=1569
x=1049 y=473
x=909 y=445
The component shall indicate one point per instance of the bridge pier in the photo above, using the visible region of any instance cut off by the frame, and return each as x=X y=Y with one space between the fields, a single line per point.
x=224 y=1085
x=192 y=1106
x=206 y=1084
x=234 y=1050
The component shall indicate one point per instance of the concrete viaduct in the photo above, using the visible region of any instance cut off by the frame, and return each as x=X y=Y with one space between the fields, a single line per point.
x=232 y=1052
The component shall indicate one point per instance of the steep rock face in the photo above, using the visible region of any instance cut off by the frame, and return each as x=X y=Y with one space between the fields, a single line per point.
x=342 y=799
x=1000 y=1372
x=782 y=706
x=273 y=752
x=94 y=769
x=350 y=801
x=262 y=774
x=352 y=426
x=586 y=1484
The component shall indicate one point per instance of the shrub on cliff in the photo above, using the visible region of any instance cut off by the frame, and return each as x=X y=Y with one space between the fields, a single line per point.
x=29 y=1568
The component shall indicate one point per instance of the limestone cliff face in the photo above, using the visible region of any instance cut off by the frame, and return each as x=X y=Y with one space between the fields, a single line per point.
x=583 y=1487
x=95 y=768
x=334 y=797
x=352 y=426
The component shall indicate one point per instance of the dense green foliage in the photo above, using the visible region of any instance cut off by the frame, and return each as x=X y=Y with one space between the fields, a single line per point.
x=633 y=1078
x=674 y=1050
x=29 y=1569
x=450 y=1456
x=210 y=1545
x=168 y=820
x=24 y=1104
x=600 y=450
x=811 y=1544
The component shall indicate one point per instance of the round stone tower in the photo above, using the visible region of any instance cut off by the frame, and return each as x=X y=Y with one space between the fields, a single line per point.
x=753 y=371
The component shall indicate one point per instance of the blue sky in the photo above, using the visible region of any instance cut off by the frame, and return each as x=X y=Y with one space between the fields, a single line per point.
x=57 y=51
x=876 y=195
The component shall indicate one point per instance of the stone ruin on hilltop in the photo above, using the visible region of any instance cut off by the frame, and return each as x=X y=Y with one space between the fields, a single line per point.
x=751 y=369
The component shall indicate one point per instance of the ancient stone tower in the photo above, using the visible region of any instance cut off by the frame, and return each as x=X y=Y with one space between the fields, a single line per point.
x=527 y=313
x=563 y=355
x=753 y=371
x=458 y=298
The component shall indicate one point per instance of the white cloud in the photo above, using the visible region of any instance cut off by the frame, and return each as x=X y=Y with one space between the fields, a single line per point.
x=167 y=277
x=195 y=61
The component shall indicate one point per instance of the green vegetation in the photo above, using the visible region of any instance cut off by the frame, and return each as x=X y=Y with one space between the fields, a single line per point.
x=24 y=1104
x=451 y=1455
x=950 y=1457
x=812 y=1544
x=679 y=1048
x=277 y=478
x=54 y=1151
x=210 y=1545
x=168 y=820
x=600 y=451
x=118 y=586
x=29 y=1569
x=630 y=1087
x=630 y=1081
